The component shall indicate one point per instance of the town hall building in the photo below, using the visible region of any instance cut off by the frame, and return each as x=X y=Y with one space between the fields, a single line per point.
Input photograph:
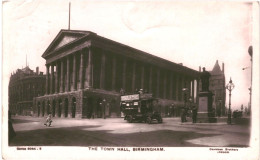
x=86 y=75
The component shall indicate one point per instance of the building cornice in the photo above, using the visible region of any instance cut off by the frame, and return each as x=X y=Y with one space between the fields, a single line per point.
x=92 y=39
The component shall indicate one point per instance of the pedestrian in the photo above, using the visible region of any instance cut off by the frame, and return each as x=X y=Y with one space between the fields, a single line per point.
x=141 y=91
x=194 y=114
x=122 y=92
x=183 y=114
x=173 y=110
x=48 y=121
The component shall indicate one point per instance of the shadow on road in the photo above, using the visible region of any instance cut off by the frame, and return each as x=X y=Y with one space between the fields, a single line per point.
x=79 y=136
x=17 y=121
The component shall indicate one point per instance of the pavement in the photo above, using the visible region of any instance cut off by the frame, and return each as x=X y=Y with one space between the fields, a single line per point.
x=30 y=131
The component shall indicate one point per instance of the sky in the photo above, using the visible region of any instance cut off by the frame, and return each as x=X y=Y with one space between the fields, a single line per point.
x=194 y=33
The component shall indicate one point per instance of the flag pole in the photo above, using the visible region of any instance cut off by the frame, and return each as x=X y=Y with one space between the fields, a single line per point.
x=69 y=16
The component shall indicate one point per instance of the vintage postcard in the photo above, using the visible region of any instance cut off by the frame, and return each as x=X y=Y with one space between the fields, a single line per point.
x=115 y=79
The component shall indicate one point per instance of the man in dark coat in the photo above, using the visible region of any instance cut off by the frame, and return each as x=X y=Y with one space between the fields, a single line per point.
x=183 y=114
x=194 y=114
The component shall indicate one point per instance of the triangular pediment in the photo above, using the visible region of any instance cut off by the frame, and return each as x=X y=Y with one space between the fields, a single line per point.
x=64 y=38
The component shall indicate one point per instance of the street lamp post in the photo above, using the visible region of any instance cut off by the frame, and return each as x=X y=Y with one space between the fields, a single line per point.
x=220 y=108
x=190 y=101
x=183 y=116
x=250 y=52
x=229 y=87
x=250 y=88
x=185 y=91
x=250 y=95
x=103 y=103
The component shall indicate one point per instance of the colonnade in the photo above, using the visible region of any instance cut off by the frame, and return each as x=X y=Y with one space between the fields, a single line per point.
x=58 y=107
x=101 y=69
x=67 y=73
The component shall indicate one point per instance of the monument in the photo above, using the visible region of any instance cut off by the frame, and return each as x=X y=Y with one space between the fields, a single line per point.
x=205 y=110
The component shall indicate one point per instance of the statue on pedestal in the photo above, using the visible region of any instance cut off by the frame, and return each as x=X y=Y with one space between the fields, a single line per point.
x=205 y=110
x=205 y=80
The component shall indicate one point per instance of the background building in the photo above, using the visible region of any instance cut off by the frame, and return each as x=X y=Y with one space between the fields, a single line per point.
x=24 y=85
x=85 y=73
x=217 y=87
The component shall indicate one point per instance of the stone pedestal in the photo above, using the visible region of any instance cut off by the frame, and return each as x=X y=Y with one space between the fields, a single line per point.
x=79 y=116
x=205 y=114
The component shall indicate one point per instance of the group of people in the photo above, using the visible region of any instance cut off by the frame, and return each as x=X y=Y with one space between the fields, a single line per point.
x=184 y=113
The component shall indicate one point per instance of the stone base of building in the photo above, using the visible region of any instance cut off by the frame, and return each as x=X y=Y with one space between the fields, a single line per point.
x=207 y=120
x=85 y=103
x=93 y=103
x=203 y=117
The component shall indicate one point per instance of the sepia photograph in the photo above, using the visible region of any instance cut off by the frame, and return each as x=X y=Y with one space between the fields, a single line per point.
x=85 y=79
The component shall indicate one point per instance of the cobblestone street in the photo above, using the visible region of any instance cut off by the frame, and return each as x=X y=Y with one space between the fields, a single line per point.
x=30 y=131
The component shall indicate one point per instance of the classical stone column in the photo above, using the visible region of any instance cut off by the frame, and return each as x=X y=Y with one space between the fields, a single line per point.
x=81 y=74
x=142 y=77
x=68 y=75
x=89 y=68
x=197 y=90
x=70 y=103
x=51 y=106
x=57 y=78
x=193 y=90
x=74 y=72
x=182 y=86
x=114 y=73
x=59 y=106
x=86 y=84
x=187 y=82
x=47 y=79
x=158 y=83
x=56 y=106
x=124 y=74
x=63 y=108
x=189 y=87
x=171 y=85
x=39 y=108
x=165 y=85
x=61 y=76
x=42 y=108
x=52 y=78
x=102 y=71
x=134 y=76
x=46 y=107
x=177 y=87
x=151 y=80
